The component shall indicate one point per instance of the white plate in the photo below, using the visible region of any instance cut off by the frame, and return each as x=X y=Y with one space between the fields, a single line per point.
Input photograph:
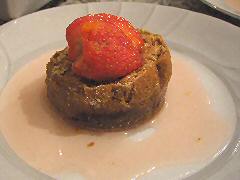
x=226 y=6
x=210 y=41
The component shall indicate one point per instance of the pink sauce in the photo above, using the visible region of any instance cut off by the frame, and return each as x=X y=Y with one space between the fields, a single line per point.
x=186 y=130
x=234 y=4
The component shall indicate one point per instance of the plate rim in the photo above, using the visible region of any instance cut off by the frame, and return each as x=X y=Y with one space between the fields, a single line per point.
x=5 y=26
x=221 y=9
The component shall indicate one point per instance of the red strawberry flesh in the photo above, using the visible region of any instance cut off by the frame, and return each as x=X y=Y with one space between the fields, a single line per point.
x=104 y=47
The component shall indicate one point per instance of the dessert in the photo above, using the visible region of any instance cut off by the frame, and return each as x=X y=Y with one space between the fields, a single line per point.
x=174 y=139
x=111 y=76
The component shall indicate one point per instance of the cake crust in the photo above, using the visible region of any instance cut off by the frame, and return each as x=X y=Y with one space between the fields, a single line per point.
x=117 y=105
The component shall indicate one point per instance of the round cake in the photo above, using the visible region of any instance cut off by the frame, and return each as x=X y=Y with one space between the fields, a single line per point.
x=111 y=105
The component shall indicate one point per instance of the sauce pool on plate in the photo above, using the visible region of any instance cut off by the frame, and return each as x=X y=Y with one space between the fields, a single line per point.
x=187 y=130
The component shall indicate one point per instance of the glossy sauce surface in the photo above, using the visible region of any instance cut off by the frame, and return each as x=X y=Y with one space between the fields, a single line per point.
x=187 y=130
